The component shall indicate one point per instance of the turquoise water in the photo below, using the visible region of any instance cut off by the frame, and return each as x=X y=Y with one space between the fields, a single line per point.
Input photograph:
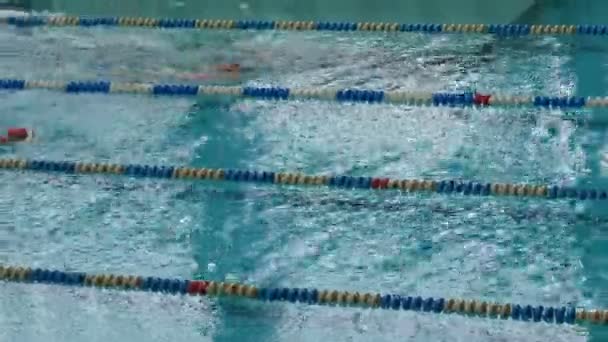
x=523 y=251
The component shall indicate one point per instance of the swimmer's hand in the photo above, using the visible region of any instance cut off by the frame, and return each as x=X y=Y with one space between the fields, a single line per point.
x=220 y=71
x=234 y=67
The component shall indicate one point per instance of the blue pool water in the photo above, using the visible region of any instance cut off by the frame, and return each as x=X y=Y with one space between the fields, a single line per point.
x=496 y=249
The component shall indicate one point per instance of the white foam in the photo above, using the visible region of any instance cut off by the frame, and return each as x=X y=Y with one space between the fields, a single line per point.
x=12 y=13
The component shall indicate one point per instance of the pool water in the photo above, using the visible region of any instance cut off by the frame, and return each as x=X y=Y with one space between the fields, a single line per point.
x=497 y=249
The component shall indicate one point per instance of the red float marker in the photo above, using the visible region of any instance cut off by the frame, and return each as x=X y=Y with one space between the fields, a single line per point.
x=197 y=287
x=17 y=134
x=481 y=100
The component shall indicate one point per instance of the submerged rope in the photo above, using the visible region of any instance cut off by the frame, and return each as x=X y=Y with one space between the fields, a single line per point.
x=497 y=29
x=288 y=178
x=284 y=93
x=311 y=296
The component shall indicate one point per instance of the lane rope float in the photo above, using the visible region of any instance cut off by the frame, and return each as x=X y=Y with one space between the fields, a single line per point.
x=347 y=95
x=468 y=188
x=311 y=296
x=511 y=30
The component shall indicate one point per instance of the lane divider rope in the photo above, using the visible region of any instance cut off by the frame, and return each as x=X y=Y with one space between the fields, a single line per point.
x=469 y=188
x=284 y=93
x=311 y=296
x=289 y=25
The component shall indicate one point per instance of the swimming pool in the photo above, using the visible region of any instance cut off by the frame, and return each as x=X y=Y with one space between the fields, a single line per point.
x=507 y=249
